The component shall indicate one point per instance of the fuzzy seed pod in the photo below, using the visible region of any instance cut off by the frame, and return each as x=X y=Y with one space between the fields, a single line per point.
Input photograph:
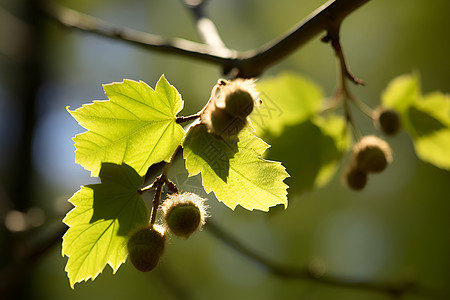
x=231 y=102
x=145 y=247
x=372 y=154
x=355 y=178
x=184 y=213
x=226 y=125
x=239 y=98
x=388 y=121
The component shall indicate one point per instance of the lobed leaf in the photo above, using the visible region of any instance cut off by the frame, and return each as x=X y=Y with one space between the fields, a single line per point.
x=136 y=126
x=425 y=118
x=234 y=170
x=288 y=99
x=99 y=224
x=319 y=142
x=401 y=92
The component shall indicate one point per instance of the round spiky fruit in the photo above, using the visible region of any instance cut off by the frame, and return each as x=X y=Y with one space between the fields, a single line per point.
x=372 y=154
x=240 y=97
x=388 y=120
x=231 y=102
x=145 y=247
x=226 y=125
x=184 y=213
x=355 y=178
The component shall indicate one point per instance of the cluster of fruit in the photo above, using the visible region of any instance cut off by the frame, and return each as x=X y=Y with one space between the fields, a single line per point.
x=182 y=215
x=372 y=154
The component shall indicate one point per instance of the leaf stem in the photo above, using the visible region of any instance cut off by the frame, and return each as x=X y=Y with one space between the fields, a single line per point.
x=343 y=93
x=367 y=110
x=156 y=199
x=159 y=183
x=183 y=119
x=149 y=187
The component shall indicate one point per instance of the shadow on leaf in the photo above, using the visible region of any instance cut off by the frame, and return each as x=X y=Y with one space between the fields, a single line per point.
x=423 y=123
x=214 y=151
x=306 y=152
x=117 y=197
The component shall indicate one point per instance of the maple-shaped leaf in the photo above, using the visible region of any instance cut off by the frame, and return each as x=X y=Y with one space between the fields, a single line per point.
x=136 y=126
x=288 y=99
x=425 y=117
x=234 y=170
x=289 y=118
x=103 y=216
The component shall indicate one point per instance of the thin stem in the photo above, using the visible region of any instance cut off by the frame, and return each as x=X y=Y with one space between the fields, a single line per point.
x=160 y=181
x=205 y=26
x=156 y=199
x=171 y=186
x=345 y=73
x=333 y=37
x=367 y=110
x=350 y=120
x=149 y=187
x=182 y=119
x=343 y=91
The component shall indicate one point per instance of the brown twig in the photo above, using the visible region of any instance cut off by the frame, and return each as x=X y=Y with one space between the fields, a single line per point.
x=157 y=199
x=205 y=27
x=183 y=119
x=343 y=94
x=247 y=64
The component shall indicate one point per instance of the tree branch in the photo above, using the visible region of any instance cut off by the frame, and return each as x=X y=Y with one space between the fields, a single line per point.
x=205 y=27
x=397 y=290
x=327 y=16
x=248 y=64
x=76 y=20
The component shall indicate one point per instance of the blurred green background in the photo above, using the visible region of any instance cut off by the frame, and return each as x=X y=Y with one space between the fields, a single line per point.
x=396 y=229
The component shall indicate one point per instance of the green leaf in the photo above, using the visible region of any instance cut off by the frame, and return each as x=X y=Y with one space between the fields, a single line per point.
x=288 y=99
x=319 y=144
x=288 y=119
x=234 y=169
x=425 y=118
x=136 y=126
x=429 y=126
x=103 y=216
x=401 y=92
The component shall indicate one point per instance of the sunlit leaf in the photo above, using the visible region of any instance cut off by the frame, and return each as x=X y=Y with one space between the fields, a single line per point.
x=401 y=92
x=429 y=127
x=103 y=216
x=425 y=118
x=308 y=145
x=234 y=169
x=315 y=149
x=287 y=99
x=136 y=126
